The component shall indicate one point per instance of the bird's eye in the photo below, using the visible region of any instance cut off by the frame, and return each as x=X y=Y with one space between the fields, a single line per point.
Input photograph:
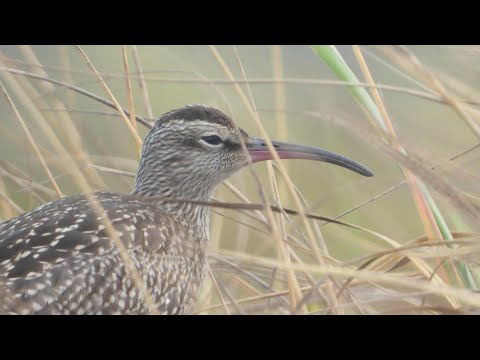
x=212 y=140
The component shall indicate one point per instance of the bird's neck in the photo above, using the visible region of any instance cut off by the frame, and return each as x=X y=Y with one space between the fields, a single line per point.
x=173 y=195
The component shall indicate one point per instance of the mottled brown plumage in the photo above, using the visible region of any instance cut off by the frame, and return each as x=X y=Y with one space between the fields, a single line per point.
x=59 y=259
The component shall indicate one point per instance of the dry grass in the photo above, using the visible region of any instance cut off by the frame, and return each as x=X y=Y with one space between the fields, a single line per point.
x=304 y=238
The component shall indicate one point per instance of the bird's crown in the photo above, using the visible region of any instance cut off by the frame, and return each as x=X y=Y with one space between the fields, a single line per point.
x=197 y=112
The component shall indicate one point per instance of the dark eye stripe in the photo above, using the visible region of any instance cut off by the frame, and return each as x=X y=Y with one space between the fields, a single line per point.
x=212 y=139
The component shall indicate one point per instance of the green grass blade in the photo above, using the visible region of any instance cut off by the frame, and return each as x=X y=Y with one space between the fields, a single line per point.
x=330 y=55
x=462 y=268
x=334 y=60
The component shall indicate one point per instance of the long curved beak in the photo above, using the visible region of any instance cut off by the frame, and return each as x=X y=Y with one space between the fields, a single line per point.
x=259 y=152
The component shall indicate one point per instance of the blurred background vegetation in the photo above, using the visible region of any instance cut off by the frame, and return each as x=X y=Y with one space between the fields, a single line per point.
x=298 y=99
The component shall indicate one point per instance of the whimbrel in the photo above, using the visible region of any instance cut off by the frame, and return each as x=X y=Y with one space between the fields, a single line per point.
x=60 y=259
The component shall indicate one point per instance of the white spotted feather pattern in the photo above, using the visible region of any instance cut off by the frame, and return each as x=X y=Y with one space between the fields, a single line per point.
x=58 y=259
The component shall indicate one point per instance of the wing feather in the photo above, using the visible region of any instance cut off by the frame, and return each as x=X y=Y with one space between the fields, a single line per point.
x=59 y=258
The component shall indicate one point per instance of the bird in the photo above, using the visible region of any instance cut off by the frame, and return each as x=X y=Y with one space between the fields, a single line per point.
x=60 y=258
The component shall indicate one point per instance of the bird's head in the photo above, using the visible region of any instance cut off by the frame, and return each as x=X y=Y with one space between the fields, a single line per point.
x=191 y=150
